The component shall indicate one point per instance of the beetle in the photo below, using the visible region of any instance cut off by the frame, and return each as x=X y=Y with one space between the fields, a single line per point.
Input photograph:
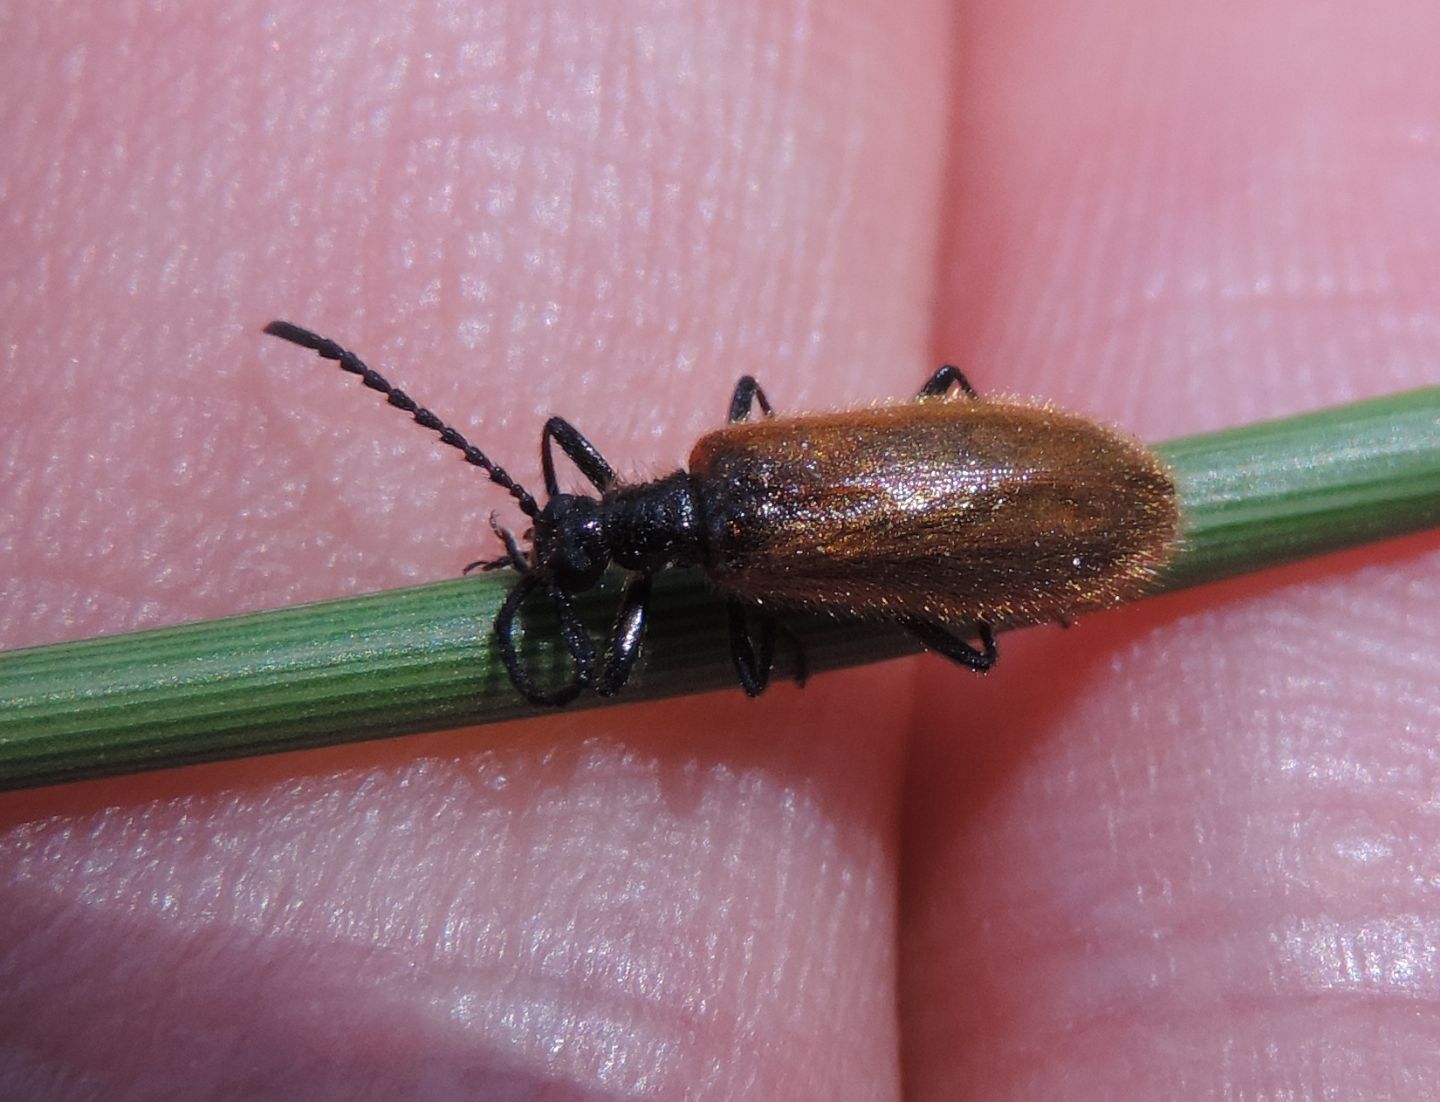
x=942 y=514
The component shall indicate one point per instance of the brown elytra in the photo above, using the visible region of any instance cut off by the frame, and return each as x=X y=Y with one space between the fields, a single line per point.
x=954 y=509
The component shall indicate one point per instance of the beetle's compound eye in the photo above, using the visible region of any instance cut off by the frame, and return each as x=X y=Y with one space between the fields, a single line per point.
x=572 y=632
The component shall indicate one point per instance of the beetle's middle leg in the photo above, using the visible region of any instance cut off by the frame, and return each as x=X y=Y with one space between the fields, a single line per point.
x=752 y=663
x=748 y=395
x=626 y=635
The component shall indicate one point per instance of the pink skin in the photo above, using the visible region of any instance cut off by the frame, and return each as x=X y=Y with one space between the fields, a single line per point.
x=1187 y=850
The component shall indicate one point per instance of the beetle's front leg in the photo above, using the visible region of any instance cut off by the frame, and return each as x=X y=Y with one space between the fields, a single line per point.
x=582 y=453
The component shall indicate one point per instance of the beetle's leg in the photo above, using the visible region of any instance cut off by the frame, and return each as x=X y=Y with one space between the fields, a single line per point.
x=513 y=555
x=753 y=665
x=938 y=638
x=582 y=453
x=747 y=395
x=626 y=635
x=505 y=638
x=577 y=642
x=487 y=565
x=941 y=382
x=577 y=639
x=802 y=663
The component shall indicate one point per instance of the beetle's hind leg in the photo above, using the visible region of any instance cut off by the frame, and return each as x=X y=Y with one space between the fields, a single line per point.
x=938 y=638
x=940 y=383
x=748 y=395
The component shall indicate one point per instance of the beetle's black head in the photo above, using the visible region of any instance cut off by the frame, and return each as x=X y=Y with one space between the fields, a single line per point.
x=569 y=542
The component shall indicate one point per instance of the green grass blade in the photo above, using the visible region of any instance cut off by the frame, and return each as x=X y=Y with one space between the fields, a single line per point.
x=1276 y=491
x=422 y=659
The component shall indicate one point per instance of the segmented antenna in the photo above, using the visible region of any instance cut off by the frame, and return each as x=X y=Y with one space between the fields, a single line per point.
x=348 y=361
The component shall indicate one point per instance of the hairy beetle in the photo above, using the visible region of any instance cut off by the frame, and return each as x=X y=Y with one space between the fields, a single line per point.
x=944 y=513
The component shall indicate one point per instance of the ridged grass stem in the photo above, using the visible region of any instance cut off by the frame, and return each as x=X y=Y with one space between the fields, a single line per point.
x=423 y=658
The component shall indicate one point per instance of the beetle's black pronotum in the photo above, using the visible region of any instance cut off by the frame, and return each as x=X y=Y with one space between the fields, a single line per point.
x=940 y=515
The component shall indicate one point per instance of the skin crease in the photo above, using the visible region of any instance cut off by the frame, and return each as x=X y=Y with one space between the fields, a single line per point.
x=1181 y=851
